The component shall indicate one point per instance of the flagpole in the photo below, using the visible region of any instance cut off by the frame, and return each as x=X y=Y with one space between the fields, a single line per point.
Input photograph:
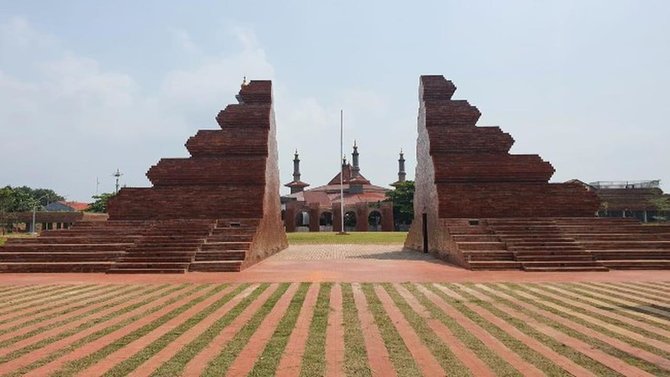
x=341 y=172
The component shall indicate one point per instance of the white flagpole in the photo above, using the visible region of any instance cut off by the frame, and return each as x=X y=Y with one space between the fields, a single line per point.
x=341 y=172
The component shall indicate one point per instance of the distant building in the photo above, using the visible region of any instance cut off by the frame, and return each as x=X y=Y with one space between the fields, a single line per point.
x=318 y=209
x=639 y=199
x=63 y=206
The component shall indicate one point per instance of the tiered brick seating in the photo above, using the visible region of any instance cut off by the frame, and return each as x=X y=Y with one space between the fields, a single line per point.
x=169 y=246
x=540 y=245
x=89 y=246
x=488 y=209
x=621 y=243
x=227 y=246
x=232 y=173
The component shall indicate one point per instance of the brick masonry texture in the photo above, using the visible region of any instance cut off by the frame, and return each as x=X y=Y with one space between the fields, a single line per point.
x=488 y=209
x=217 y=210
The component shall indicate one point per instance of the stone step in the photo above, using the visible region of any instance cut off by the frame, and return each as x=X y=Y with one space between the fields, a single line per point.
x=636 y=264
x=146 y=271
x=225 y=246
x=494 y=265
x=560 y=257
x=61 y=257
x=613 y=245
x=221 y=255
x=216 y=266
x=488 y=255
x=481 y=245
x=475 y=238
x=566 y=269
x=150 y=265
x=560 y=263
x=24 y=267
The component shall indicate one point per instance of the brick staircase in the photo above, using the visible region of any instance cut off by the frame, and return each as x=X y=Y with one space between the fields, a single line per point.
x=621 y=243
x=480 y=248
x=559 y=244
x=89 y=246
x=169 y=246
x=540 y=245
x=227 y=246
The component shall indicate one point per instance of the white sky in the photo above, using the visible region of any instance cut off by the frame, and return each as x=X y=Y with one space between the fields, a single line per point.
x=88 y=87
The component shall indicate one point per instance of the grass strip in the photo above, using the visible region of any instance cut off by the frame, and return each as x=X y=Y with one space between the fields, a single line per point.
x=43 y=308
x=46 y=341
x=355 y=355
x=517 y=346
x=20 y=290
x=497 y=364
x=110 y=329
x=76 y=366
x=47 y=297
x=608 y=320
x=220 y=364
x=127 y=366
x=313 y=360
x=175 y=366
x=583 y=360
x=33 y=320
x=356 y=238
x=630 y=311
x=626 y=297
x=38 y=330
x=631 y=291
x=449 y=362
x=653 y=292
x=510 y=289
x=400 y=356
x=267 y=364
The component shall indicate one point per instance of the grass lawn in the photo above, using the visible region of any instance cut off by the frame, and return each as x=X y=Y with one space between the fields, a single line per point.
x=359 y=238
x=261 y=329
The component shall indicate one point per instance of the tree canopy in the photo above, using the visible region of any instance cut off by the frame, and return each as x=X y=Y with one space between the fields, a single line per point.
x=24 y=198
x=100 y=203
x=403 y=202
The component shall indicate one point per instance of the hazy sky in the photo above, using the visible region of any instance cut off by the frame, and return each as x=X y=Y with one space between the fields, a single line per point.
x=87 y=87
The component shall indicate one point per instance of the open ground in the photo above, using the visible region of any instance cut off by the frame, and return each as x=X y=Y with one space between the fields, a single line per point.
x=354 y=309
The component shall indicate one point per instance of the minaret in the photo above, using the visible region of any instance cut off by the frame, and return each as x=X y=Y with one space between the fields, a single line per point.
x=296 y=185
x=401 y=167
x=401 y=170
x=296 y=167
x=355 y=170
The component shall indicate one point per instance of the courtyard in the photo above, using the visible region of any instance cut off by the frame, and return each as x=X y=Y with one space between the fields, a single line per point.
x=337 y=310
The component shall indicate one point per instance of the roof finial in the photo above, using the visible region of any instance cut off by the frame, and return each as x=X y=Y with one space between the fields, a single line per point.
x=354 y=143
x=244 y=81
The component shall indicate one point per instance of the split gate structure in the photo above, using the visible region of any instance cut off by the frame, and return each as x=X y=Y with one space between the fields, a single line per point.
x=217 y=210
x=478 y=206
x=475 y=205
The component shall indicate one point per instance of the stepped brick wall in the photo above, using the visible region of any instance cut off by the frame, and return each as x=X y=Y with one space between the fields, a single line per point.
x=227 y=175
x=488 y=209
x=217 y=210
x=466 y=171
x=232 y=173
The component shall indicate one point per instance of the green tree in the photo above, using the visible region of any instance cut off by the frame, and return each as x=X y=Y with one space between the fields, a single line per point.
x=16 y=200
x=662 y=204
x=403 y=202
x=100 y=203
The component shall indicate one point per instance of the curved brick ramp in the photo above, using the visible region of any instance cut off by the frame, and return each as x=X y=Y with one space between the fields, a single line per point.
x=338 y=329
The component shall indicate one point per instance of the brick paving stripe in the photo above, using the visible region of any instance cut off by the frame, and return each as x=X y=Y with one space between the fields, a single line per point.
x=289 y=329
x=290 y=363
x=335 y=334
x=378 y=357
